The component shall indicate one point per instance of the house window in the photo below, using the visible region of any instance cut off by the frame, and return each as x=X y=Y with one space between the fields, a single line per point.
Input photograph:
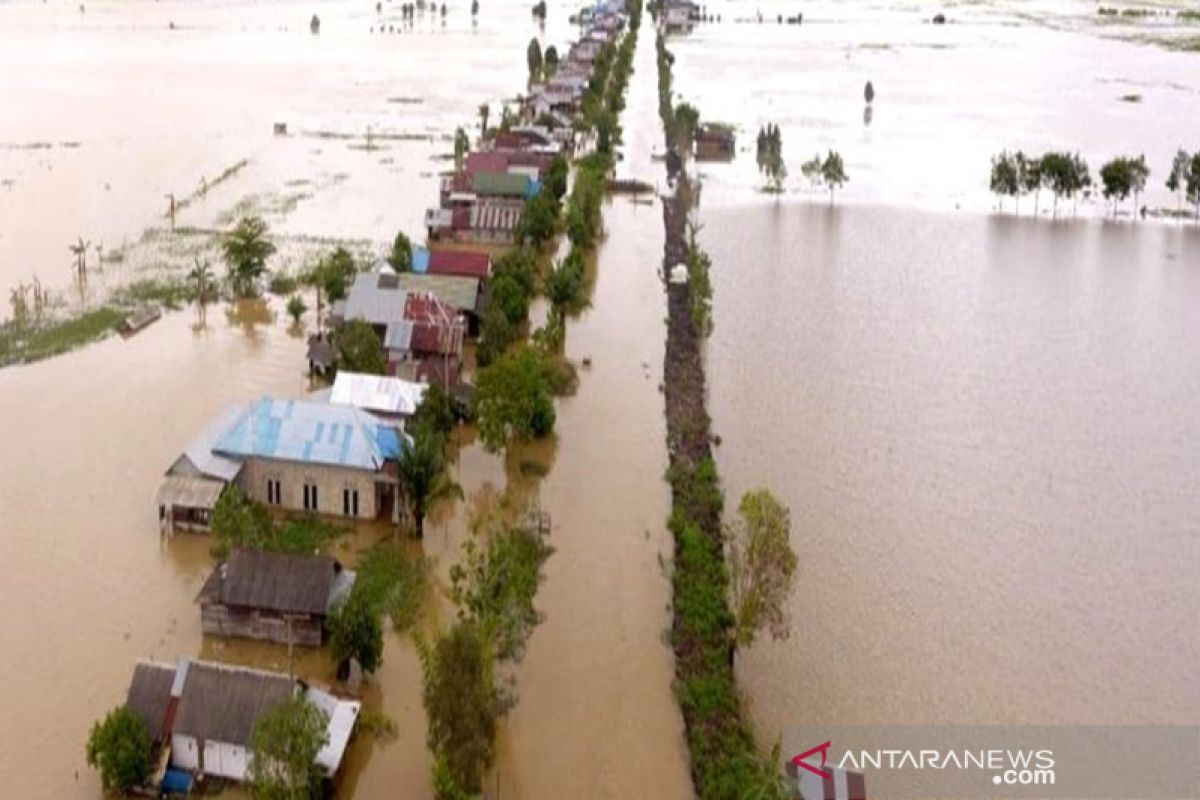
x=274 y=491
x=350 y=502
x=310 y=497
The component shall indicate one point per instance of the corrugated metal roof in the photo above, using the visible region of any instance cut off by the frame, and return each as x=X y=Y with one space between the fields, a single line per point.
x=304 y=431
x=149 y=693
x=369 y=301
x=458 y=263
x=380 y=393
x=398 y=335
x=225 y=703
x=190 y=492
x=342 y=716
x=500 y=184
x=199 y=453
x=272 y=581
x=460 y=294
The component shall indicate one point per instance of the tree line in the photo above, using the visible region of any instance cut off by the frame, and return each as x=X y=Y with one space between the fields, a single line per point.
x=1068 y=175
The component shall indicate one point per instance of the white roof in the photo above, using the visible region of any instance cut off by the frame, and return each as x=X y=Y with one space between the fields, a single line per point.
x=380 y=393
x=200 y=450
x=342 y=715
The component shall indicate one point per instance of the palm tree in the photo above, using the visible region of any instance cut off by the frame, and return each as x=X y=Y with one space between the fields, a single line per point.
x=201 y=275
x=247 y=248
x=424 y=476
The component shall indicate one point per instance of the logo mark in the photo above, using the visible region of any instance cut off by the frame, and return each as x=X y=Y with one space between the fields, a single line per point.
x=823 y=749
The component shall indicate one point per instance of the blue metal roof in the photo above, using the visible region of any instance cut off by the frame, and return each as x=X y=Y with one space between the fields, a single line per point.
x=315 y=433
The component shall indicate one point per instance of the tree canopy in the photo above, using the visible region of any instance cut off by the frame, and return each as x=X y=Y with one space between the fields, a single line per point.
x=355 y=632
x=359 y=348
x=284 y=746
x=424 y=476
x=533 y=58
x=762 y=566
x=119 y=747
x=513 y=399
x=246 y=249
x=462 y=703
x=400 y=256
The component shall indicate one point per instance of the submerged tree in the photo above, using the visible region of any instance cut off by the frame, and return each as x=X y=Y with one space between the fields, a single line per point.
x=1004 y=181
x=247 y=248
x=483 y=119
x=1031 y=178
x=833 y=172
x=119 y=747
x=770 y=156
x=424 y=476
x=359 y=348
x=462 y=146
x=400 y=256
x=550 y=61
x=284 y=748
x=462 y=704
x=762 y=566
x=201 y=278
x=1116 y=181
x=513 y=399
x=533 y=58
x=296 y=308
x=1177 y=178
x=1193 y=183
x=356 y=633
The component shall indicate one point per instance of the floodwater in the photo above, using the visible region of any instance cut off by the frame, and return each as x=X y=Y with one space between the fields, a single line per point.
x=1016 y=75
x=110 y=110
x=86 y=436
x=983 y=425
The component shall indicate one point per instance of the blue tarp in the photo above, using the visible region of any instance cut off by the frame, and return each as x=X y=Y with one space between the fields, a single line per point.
x=532 y=188
x=420 y=260
x=176 y=782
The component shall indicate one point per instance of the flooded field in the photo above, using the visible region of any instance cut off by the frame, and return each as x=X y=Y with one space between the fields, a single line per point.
x=982 y=424
x=111 y=110
x=1015 y=75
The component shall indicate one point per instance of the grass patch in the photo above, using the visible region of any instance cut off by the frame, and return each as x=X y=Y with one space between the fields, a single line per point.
x=172 y=293
x=22 y=344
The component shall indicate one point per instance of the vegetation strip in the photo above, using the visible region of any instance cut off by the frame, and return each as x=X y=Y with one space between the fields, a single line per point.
x=725 y=763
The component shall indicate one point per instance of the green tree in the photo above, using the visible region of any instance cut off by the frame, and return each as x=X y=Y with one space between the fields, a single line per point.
x=510 y=296
x=1139 y=174
x=462 y=146
x=284 y=748
x=565 y=286
x=435 y=413
x=533 y=57
x=833 y=172
x=811 y=170
x=201 y=279
x=496 y=333
x=687 y=125
x=1031 y=178
x=1177 y=178
x=550 y=61
x=400 y=257
x=762 y=565
x=1005 y=181
x=120 y=748
x=247 y=248
x=556 y=177
x=424 y=476
x=355 y=632
x=1116 y=181
x=359 y=348
x=483 y=119
x=461 y=703
x=513 y=399
x=539 y=219
x=1193 y=183
x=296 y=308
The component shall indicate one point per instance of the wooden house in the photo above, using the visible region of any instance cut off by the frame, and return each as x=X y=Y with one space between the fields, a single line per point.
x=272 y=596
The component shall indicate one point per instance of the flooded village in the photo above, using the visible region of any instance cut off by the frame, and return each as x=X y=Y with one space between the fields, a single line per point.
x=529 y=400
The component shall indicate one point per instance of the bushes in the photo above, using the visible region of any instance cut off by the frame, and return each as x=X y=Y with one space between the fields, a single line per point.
x=239 y=522
x=120 y=748
x=513 y=398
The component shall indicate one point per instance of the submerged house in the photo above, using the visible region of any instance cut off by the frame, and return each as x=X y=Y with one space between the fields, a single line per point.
x=274 y=597
x=295 y=455
x=201 y=715
x=715 y=143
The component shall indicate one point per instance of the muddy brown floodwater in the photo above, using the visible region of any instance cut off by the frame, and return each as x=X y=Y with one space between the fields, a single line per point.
x=86 y=436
